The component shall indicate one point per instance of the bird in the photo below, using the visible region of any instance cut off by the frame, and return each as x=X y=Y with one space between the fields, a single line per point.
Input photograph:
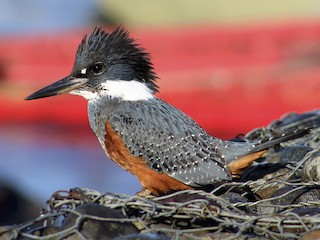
x=148 y=137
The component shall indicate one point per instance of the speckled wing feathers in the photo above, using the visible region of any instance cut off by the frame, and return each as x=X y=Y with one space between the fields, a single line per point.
x=169 y=141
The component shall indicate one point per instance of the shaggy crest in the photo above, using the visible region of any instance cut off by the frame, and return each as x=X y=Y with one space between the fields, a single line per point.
x=116 y=47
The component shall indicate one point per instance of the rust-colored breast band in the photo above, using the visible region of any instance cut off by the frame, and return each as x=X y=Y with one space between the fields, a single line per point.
x=156 y=182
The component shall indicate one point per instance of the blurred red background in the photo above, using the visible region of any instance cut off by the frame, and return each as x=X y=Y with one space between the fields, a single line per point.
x=230 y=79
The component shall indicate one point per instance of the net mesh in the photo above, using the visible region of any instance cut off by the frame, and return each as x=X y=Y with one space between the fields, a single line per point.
x=200 y=213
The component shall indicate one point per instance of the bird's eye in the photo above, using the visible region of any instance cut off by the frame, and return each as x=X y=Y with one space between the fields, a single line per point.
x=97 y=68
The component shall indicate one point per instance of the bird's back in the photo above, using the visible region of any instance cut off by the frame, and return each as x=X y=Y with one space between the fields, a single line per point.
x=167 y=139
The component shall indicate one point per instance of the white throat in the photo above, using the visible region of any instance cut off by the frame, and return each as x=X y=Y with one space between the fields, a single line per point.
x=125 y=90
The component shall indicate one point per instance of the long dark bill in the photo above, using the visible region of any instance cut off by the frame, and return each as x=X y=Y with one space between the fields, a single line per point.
x=64 y=85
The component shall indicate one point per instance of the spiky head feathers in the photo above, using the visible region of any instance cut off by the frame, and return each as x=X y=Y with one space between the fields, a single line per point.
x=118 y=54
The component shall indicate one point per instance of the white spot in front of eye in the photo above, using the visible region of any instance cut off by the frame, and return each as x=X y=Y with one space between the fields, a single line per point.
x=83 y=71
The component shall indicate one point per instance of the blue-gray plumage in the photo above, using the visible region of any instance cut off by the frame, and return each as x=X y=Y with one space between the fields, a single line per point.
x=162 y=146
x=169 y=140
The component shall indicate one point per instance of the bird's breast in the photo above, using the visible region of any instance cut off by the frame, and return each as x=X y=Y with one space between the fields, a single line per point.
x=156 y=182
x=116 y=149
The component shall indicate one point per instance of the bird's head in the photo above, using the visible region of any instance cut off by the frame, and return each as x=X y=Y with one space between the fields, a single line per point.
x=107 y=64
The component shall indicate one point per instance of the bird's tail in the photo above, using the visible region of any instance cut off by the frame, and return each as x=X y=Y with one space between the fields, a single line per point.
x=289 y=127
x=276 y=139
x=242 y=154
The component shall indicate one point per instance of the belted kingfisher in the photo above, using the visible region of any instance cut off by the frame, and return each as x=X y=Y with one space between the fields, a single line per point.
x=162 y=146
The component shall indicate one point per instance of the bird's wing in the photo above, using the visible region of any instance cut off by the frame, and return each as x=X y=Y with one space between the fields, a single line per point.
x=169 y=141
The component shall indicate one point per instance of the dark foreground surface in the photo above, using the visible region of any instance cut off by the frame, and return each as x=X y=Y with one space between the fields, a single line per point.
x=278 y=198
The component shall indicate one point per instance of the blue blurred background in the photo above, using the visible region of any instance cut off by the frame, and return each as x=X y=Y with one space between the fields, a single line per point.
x=47 y=145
